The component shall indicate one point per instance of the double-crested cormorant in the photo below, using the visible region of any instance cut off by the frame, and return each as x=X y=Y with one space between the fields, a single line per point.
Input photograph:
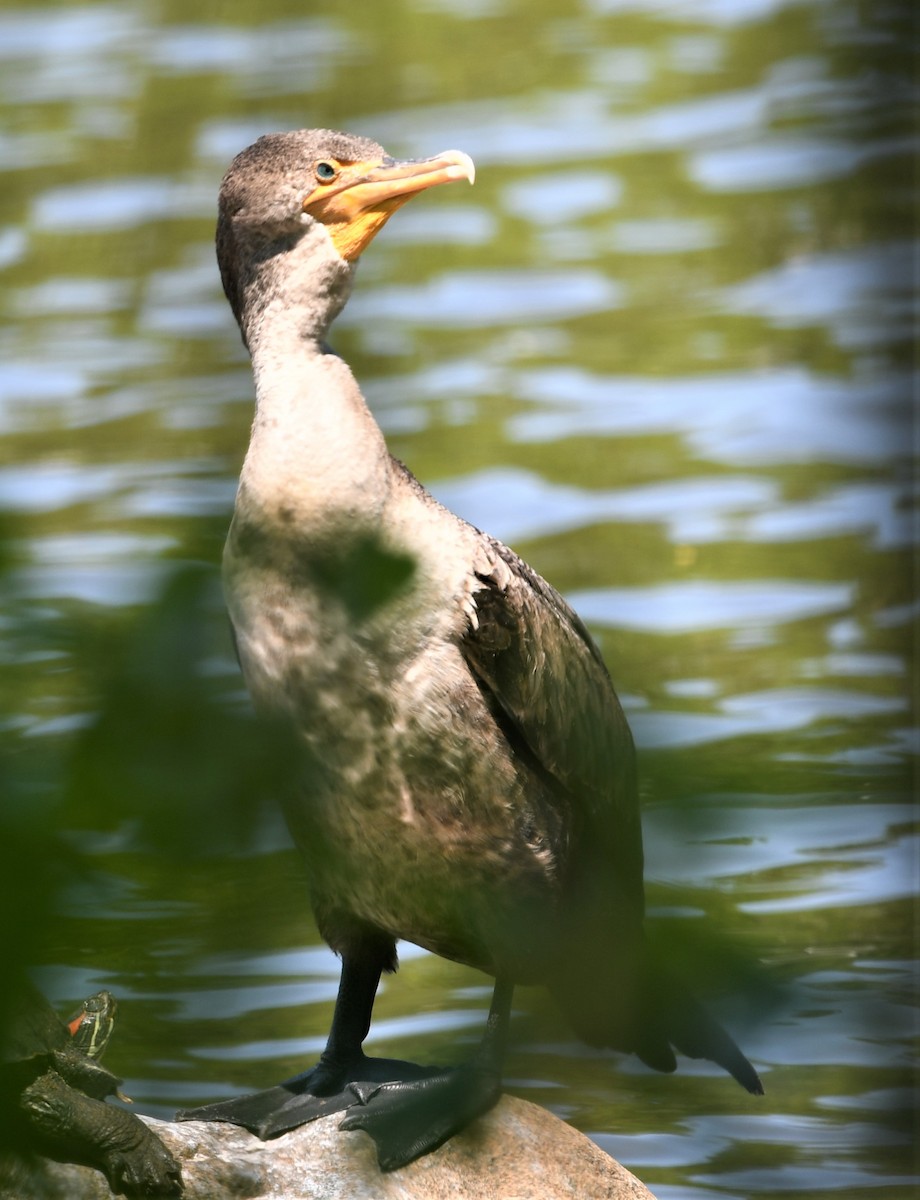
x=470 y=776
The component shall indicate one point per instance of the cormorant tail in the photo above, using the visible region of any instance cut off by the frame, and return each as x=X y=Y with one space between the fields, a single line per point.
x=648 y=1012
x=692 y=1030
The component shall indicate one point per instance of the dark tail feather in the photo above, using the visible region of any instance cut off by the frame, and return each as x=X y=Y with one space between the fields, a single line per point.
x=691 y=1029
x=646 y=1011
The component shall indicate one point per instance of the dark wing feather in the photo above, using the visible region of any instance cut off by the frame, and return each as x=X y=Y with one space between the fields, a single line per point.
x=535 y=657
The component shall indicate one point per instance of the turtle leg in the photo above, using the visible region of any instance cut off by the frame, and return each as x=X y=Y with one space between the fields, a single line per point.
x=325 y=1088
x=74 y=1127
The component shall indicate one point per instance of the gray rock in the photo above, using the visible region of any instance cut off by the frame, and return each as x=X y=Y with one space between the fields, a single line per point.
x=516 y=1152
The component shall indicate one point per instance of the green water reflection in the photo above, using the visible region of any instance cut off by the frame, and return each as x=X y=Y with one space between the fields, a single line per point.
x=663 y=347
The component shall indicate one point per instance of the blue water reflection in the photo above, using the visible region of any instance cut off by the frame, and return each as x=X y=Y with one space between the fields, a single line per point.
x=766 y=416
x=862 y=295
x=515 y=505
x=483 y=298
x=680 y=607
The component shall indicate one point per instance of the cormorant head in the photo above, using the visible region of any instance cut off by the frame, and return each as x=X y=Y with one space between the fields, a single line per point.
x=333 y=191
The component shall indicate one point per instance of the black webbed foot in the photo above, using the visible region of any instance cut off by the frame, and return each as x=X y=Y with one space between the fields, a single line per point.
x=408 y=1110
x=323 y=1090
x=409 y=1119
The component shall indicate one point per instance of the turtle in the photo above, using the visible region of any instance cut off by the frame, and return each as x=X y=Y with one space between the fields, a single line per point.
x=53 y=1091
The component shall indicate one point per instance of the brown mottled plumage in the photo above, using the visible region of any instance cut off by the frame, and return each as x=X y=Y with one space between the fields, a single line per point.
x=470 y=779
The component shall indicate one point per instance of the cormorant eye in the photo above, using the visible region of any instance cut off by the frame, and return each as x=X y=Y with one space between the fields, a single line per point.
x=325 y=171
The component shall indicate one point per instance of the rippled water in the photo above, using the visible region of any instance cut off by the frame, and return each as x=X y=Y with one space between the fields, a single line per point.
x=663 y=347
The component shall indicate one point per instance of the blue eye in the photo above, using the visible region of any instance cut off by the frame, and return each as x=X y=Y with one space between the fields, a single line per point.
x=325 y=171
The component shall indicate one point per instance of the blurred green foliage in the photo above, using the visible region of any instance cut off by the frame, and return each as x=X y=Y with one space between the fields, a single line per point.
x=169 y=749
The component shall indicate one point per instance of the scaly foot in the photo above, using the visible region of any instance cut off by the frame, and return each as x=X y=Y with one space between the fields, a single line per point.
x=409 y=1119
x=325 y=1089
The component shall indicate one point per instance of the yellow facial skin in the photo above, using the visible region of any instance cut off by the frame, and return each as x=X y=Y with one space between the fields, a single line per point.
x=355 y=199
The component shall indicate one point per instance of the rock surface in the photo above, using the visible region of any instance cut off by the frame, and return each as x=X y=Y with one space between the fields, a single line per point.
x=516 y=1152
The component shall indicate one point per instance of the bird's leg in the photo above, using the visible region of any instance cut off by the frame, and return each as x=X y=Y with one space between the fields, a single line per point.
x=351 y=1021
x=325 y=1088
x=343 y=1062
x=409 y=1119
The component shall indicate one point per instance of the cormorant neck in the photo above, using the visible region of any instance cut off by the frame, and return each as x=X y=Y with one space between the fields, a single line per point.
x=316 y=456
x=296 y=283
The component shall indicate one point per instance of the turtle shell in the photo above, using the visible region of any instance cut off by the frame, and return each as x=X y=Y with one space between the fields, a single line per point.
x=31 y=1028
